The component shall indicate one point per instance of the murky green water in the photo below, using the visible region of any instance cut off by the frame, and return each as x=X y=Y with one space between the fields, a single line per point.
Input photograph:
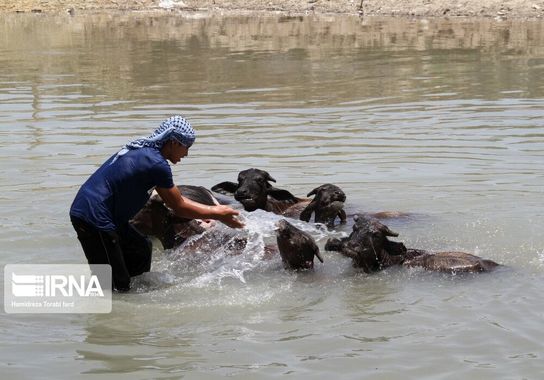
x=443 y=119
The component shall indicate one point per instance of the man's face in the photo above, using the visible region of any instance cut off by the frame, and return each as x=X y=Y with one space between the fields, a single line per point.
x=178 y=152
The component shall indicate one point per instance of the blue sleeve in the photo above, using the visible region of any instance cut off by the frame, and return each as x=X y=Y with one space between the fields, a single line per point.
x=162 y=175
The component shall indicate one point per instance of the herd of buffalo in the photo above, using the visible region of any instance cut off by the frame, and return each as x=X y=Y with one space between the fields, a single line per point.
x=368 y=245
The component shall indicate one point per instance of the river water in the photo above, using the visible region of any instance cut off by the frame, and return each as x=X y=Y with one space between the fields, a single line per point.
x=442 y=119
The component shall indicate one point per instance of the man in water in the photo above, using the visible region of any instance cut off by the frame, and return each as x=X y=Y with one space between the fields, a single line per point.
x=121 y=187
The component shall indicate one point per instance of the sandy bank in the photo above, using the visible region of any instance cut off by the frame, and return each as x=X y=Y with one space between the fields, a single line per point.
x=500 y=9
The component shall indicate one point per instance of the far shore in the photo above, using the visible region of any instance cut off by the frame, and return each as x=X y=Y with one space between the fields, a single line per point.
x=497 y=9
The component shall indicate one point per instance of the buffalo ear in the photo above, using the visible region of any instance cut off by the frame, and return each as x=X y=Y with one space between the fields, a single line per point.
x=395 y=248
x=315 y=191
x=269 y=177
x=318 y=254
x=281 y=195
x=387 y=232
x=306 y=214
x=226 y=187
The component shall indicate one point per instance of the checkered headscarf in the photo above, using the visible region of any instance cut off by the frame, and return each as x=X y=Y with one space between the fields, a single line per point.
x=175 y=127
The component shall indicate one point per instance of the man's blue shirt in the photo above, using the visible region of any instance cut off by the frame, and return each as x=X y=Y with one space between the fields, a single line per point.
x=116 y=192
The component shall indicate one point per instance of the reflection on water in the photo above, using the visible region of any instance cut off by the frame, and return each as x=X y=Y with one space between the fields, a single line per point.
x=443 y=119
x=286 y=59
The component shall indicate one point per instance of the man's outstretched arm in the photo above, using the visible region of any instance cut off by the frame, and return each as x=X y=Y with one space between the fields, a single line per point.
x=187 y=208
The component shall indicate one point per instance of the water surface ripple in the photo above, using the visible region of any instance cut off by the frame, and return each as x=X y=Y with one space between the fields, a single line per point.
x=443 y=119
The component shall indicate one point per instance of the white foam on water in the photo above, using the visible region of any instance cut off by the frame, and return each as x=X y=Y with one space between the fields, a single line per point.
x=222 y=254
x=152 y=281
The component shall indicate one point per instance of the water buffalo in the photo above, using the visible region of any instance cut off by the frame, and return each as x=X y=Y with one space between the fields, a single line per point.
x=327 y=204
x=297 y=248
x=254 y=191
x=370 y=249
x=368 y=245
x=157 y=220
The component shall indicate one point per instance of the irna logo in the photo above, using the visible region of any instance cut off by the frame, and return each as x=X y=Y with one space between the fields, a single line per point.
x=55 y=285
x=57 y=288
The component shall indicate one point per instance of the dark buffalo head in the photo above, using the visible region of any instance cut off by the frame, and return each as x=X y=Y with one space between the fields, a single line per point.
x=327 y=204
x=297 y=248
x=368 y=245
x=253 y=189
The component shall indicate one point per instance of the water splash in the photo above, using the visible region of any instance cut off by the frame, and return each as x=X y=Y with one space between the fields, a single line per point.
x=152 y=281
x=222 y=254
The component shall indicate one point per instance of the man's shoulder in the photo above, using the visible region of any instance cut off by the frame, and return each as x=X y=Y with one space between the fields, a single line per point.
x=153 y=155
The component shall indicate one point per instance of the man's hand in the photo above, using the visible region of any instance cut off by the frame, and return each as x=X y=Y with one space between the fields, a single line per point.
x=228 y=216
